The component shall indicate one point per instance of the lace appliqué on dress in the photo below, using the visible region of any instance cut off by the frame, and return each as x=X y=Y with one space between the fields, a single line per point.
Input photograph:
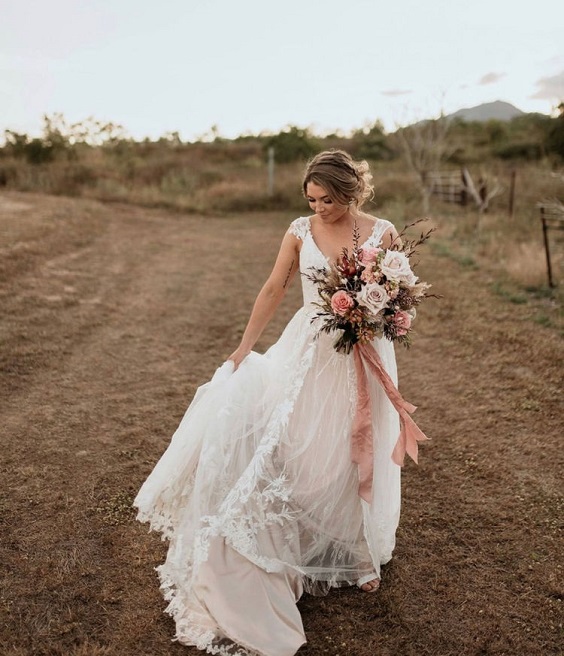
x=256 y=501
x=380 y=227
x=299 y=227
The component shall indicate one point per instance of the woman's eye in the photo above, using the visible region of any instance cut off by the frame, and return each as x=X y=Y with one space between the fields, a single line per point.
x=327 y=201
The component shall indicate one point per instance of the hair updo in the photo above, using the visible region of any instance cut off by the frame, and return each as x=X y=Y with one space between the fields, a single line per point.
x=343 y=179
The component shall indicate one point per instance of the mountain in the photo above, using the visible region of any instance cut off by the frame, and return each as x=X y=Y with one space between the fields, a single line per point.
x=499 y=110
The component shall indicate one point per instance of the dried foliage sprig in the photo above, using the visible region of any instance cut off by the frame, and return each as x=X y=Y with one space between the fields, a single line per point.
x=409 y=246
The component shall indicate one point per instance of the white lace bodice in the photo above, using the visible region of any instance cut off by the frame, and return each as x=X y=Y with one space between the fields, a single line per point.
x=311 y=256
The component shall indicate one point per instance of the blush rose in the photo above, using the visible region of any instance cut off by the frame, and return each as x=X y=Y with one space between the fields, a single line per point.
x=370 y=255
x=373 y=297
x=395 y=266
x=341 y=302
x=368 y=275
x=402 y=321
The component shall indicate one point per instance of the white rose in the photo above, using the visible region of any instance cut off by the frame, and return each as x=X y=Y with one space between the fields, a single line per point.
x=373 y=297
x=395 y=266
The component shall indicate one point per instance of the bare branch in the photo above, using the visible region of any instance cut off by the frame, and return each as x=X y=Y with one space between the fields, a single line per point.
x=424 y=145
x=483 y=195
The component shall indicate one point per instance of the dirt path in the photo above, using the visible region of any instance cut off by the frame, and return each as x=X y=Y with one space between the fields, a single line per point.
x=111 y=317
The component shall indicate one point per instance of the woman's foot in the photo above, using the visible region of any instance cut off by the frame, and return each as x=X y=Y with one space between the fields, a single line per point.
x=369 y=586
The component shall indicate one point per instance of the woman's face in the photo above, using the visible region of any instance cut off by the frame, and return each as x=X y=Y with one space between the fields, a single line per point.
x=320 y=202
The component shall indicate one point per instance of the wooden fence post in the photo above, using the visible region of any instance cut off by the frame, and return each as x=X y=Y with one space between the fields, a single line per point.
x=463 y=192
x=552 y=218
x=512 y=193
x=271 y=170
x=546 y=247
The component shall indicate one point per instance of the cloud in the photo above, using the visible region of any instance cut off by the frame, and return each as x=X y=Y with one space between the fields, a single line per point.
x=553 y=62
x=550 y=88
x=491 y=78
x=396 y=92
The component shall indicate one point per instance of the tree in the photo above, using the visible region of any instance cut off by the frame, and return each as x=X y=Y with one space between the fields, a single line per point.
x=371 y=142
x=424 y=146
x=483 y=193
x=555 y=136
x=35 y=151
x=59 y=137
x=293 y=144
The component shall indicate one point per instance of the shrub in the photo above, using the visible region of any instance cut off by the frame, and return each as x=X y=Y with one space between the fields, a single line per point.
x=371 y=144
x=293 y=144
x=524 y=150
x=555 y=137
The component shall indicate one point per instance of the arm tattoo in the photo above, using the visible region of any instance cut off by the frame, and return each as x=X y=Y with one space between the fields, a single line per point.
x=288 y=275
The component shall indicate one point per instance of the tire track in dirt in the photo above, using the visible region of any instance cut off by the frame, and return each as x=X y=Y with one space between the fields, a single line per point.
x=157 y=302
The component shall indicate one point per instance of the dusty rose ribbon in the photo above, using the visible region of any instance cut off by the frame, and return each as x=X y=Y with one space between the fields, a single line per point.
x=361 y=439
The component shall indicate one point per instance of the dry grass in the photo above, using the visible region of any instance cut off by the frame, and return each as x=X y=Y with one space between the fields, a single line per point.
x=508 y=250
x=102 y=340
x=527 y=264
x=224 y=177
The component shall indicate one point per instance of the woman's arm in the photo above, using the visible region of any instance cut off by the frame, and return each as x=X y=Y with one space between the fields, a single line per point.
x=270 y=295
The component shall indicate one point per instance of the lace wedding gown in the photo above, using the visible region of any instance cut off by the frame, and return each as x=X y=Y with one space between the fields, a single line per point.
x=257 y=492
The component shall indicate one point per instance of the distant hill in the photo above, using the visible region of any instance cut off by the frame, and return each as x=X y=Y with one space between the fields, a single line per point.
x=499 y=110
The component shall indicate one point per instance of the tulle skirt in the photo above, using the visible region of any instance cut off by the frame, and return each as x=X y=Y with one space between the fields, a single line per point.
x=259 y=498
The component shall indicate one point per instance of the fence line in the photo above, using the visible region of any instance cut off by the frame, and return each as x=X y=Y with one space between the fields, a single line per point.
x=448 y=186
x=552 y=218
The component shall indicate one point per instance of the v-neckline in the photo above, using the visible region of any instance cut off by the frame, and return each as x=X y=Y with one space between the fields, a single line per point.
x=322 y=253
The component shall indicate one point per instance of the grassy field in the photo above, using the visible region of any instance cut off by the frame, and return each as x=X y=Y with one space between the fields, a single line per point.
x=226 y=177
x=110 y=320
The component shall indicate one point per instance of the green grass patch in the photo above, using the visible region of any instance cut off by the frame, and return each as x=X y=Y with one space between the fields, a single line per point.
x=543 y=320
x=443 y=250
x=509 y=295
x=550 y=293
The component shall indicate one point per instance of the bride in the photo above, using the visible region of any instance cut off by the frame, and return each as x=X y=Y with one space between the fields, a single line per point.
x=257 y=492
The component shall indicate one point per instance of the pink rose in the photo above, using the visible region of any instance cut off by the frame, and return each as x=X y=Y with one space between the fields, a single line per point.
x=341 y=302
x=369 y=255
x=368 y=275
x=402 y=320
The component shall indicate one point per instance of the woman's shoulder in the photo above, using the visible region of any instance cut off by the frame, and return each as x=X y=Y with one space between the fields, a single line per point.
x=300 y=227
x=379 y=221
x=380 y=226
x=379 y=229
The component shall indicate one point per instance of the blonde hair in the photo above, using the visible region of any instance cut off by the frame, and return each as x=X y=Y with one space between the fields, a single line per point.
x=343 y=179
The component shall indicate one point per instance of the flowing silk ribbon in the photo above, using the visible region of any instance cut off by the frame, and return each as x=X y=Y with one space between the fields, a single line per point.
x=361 y=440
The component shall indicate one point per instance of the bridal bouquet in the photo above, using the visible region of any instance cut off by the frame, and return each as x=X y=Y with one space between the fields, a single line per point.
x=370 y=292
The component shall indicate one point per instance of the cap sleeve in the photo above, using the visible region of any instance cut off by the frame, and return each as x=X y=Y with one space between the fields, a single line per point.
x=380 y=227
x=299 y=227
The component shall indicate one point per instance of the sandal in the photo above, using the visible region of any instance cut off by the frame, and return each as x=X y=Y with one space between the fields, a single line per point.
x=368 y=583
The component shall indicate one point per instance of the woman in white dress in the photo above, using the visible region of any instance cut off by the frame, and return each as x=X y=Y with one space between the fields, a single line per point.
x=257 y=491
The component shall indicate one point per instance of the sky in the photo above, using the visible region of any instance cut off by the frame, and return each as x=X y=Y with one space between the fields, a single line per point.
x=248 y=66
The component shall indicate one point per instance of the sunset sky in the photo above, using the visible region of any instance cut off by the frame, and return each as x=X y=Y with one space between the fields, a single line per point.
x=253 y=65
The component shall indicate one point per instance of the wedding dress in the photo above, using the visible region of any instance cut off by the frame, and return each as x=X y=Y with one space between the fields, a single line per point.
x=257 y=492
